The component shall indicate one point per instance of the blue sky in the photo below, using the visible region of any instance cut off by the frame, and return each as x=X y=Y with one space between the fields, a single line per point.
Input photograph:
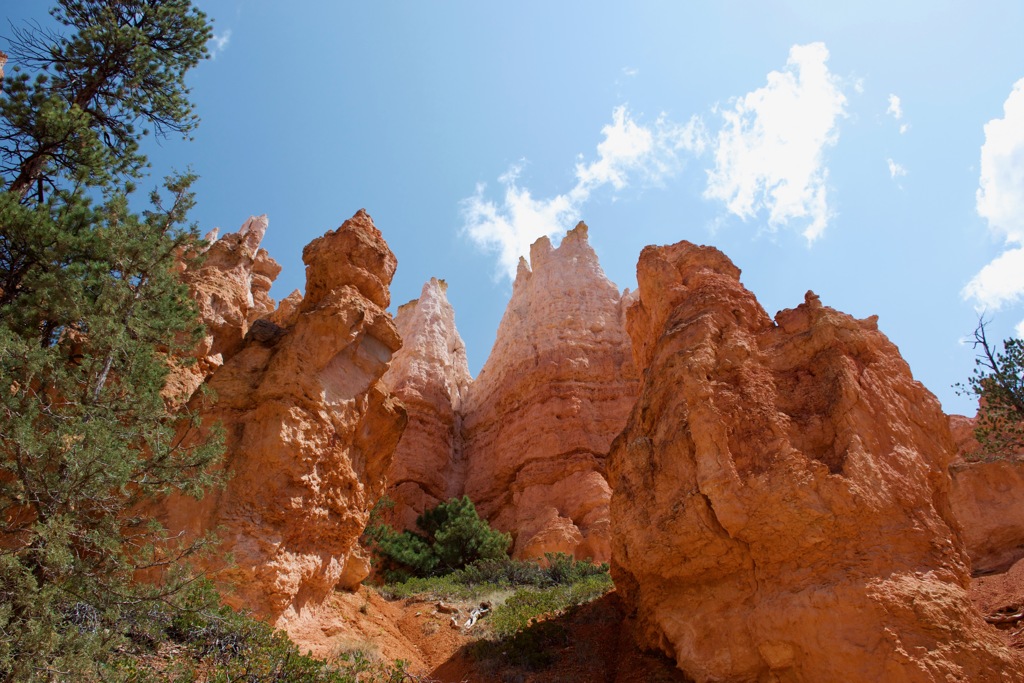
x=872 y=152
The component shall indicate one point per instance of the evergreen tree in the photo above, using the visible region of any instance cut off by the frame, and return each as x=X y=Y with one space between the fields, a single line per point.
x=452 y=537
x=998 y=383
x=459 y=537
x=90 y=309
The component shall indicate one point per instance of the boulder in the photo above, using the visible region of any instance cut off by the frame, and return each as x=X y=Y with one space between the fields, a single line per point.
x=988 y=500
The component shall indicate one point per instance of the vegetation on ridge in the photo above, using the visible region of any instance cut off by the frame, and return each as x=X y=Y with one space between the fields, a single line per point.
x=998 y=384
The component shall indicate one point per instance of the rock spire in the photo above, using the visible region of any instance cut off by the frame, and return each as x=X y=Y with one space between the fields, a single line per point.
x=430 y=375
x=310 y=431
x=542 y=413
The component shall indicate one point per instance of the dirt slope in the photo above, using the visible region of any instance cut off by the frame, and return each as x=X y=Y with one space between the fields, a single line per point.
x=591 y=643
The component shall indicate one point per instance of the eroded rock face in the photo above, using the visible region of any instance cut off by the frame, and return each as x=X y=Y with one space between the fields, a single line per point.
x=232 y=284
x=544 y=409
x=310 y=432
x=231 y=287
x=988 y=501
x=781 y=504
x=430 y=375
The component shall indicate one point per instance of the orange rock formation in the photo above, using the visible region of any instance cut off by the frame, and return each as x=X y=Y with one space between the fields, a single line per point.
x=781 y=498
x=231 y=287
x=310 y=431
x=430 y=374
x=988 y=501
x=542 y=413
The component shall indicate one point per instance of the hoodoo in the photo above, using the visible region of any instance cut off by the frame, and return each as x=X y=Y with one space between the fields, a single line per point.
x=781 y=506
x=430 y=375
x=310 y=431
x=554 y=392
x=231 y=287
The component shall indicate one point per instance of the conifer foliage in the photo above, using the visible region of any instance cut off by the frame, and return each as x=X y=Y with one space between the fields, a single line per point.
x=998 y=383
x=452 y=537
x=90 y=309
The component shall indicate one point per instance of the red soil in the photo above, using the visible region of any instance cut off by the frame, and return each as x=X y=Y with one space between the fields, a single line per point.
x=594 y=641
x=1000 y=597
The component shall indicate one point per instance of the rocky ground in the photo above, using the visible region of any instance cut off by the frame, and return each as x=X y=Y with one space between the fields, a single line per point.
x=594 y=642
x=1000 y=597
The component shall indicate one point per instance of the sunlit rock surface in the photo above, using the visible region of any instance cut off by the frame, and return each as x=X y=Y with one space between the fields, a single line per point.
x=310 y=432
x=781 y=506
x=231 y=287
x=554 y=392
x=430 y=374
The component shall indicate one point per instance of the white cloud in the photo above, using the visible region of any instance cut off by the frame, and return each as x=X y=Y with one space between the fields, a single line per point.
x=630 y=71
x=626 y=146
x=1000 y=197
x=999 y=283
x=895 y=110
x=895 y=107
x=769 y=154
x=218 y=43
x=895 y=169
x=1000 y=200
x=629 y=151
x=510 y=229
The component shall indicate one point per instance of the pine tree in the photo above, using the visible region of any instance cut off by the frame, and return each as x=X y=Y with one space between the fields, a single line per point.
x=90 y=309
x=452 y=537
x=998 y=384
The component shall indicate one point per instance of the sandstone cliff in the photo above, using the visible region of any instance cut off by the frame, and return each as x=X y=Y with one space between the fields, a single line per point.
x=231 y=287
x=988 y=501
x=781 y=499
x=310 y=431
x=542 y=413
x=430 y=375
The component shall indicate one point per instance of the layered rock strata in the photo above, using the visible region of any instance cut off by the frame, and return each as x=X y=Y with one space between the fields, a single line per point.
x=310 y=431
x=543 y=411
x=430 y=375
x=231 y=287
x=781 y=506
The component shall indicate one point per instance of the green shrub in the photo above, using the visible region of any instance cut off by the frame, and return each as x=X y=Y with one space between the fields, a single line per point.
x=194 y=638
x=522 y=633
x=526 y=606
x=561 y=569
x=489 y=575
x=518 y=633
x=453 y=536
